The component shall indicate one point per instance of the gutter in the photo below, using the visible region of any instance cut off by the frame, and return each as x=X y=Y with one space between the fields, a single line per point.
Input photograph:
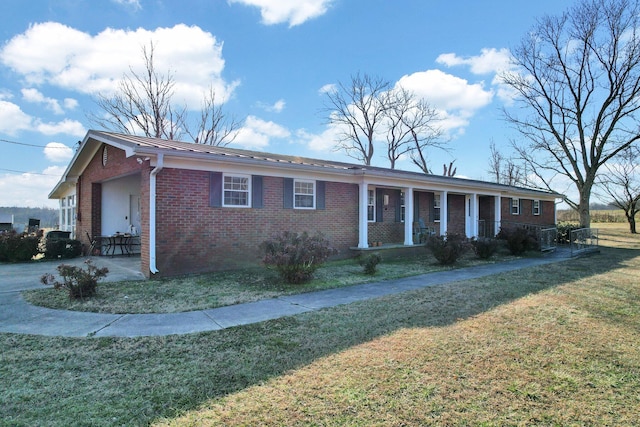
x=152 y=213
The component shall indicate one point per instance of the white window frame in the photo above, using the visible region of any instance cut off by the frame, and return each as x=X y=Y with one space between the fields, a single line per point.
x=296 y=193
x=231 y=190
x=515 y=206
x=68 y=213
x=437 y=204
x=536 y=207
x=371 y=205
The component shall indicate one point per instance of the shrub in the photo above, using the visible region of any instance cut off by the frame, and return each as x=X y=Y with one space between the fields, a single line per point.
x=564 y=231
x=519 y=240
x=447 y=249
x=79 y=283
x=62 y=248
x=370 y=263
x=16 y=247
x=296 y=256
x=485 y=248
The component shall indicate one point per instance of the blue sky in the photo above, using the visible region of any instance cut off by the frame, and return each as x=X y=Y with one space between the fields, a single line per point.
x=270 y=61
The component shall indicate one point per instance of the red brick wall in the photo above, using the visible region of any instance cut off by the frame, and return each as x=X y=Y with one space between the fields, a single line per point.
x=526 y=215
x=194 y=237
x=456 y=214
x=388 y=230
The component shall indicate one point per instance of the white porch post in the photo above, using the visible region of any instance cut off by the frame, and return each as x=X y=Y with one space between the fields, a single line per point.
x=363 y=232
x=471 y=214
x=443 y=212
x=408 y=216
x=498 y=214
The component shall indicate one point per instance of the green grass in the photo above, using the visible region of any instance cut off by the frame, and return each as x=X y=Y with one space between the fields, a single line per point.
x=205 y=291
x=552 y=345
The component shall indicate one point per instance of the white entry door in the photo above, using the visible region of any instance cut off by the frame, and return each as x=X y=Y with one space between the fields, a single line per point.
x=134 y=211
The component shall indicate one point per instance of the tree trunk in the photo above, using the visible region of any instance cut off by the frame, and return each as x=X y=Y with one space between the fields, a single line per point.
x=583 y=208
x=632 y=224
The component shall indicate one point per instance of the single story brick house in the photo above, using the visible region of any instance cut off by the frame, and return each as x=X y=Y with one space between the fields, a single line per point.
x=199 y=208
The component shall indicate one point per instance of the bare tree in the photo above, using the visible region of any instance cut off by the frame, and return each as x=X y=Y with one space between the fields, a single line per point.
x=621 y=184
x=505 y=170
x=359 y=111
x=411 y=126
x=215 y=127
x=142 y=103
x=449 y=171
x=579 y=78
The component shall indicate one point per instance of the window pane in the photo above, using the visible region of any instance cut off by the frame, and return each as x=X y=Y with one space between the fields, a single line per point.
x=303 y=188
x=303 y=193
x=236 y=190
x=303 y=201
x=236 y=183
x=235 y=198
x=370 y=212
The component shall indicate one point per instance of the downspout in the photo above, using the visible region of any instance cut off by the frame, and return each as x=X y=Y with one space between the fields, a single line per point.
x=152 y=213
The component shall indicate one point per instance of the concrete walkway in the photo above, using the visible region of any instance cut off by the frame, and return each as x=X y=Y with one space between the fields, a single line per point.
x=17 y=316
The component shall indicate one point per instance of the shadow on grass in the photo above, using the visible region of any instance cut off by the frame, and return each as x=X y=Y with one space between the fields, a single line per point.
x=117 y=381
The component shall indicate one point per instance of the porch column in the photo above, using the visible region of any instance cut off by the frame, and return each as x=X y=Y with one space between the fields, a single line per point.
x=471 y=214
x=498 y=215
x=444 y=206
x=363 y=232
x=408 y=216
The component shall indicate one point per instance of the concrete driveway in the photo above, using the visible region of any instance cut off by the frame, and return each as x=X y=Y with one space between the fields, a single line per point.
x=20 y=276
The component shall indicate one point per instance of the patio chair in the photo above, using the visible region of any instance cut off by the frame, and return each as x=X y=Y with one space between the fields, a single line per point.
x=422 y=231
x=92 y=243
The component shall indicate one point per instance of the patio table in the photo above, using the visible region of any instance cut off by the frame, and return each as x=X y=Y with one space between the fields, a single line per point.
x=118 y=240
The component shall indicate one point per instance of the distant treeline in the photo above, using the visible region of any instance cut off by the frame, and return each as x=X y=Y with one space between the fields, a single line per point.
x=48 y=216
x=597 y=215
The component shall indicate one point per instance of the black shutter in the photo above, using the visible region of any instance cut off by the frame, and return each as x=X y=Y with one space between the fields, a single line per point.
x=511 y=205
x=256 y=192
x=379 y=204
x=320 y=194
x=215 y=189
x=287 y=195
x=540 y=204
x=398 y=206
x=416 y=206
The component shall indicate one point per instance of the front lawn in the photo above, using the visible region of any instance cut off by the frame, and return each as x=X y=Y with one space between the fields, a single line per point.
x=549 y=345
x=199 y=292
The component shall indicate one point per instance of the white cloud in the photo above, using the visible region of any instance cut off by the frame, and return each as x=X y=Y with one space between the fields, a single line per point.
x=278 y=106
x=324 y=142
x=66 y=126
x=35 y=96
x=58 y=152
x=329 y=87
x=133 y=4
x=295 y=12
x=70 y=103
x=12 y=118
x=29 y=189
x=256 y=133
x=446 y=91
x=490 y=61
x=68 y=58
x=454 y=98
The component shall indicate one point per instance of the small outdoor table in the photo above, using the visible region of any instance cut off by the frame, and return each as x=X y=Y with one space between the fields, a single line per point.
x=118 y=240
